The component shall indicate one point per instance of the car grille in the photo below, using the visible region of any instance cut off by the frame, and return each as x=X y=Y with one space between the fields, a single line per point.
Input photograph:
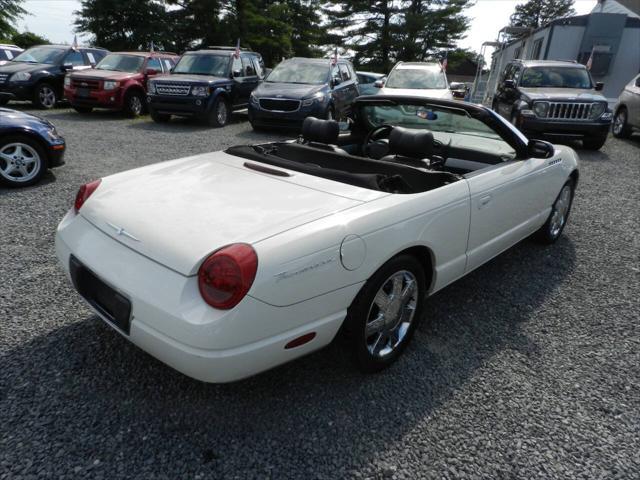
x=85 y=83
x=279 y=105
x=569 y=111
x=175 y=89
x=3 y=77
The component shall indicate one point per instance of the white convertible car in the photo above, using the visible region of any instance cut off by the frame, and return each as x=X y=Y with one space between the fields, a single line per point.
x=226 y=264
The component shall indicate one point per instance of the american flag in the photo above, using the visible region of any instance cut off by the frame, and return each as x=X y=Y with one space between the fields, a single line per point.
x=445 y=61
x=237 y=52
x=590 y=61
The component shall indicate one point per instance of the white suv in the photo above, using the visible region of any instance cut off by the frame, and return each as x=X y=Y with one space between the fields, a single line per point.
x=420 y=79
x=7 y=52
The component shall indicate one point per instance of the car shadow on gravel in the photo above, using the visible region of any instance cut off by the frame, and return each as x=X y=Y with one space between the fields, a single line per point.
x=47 y=178
x=82 y=385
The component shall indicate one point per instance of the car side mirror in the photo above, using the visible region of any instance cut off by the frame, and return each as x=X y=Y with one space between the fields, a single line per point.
x=456 y=86
x=335 y=81
x=509 y=84
x=540 y=149
x=236 y=73
x=378 y=83
x=67 y=66
x=152 y=71
x=599 y=86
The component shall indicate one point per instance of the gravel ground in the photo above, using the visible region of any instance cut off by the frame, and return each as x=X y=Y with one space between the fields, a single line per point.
x=527 y=368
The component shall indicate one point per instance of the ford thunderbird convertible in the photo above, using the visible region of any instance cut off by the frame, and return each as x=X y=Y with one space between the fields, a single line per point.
x=226 y=264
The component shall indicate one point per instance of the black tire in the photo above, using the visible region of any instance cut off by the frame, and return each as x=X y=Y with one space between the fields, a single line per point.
x=549 y=232
x=45 y=96
x=621 y=128
x=83 y=110
x=134 y=104
x=364 y=307
x=220 y=112
x=594 y=143
x=9 y=172
x=160 y=117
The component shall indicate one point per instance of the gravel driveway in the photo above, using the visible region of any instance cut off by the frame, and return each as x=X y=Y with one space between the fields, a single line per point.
x=527 y=368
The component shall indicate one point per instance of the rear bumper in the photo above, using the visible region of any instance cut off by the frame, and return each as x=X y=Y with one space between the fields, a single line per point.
x=112 y=99
x=170 y=321
x=546 y=129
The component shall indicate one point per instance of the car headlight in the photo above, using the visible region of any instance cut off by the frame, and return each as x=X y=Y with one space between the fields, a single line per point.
x=67 y=81
x=151 y=87
x=541 y=109
x=318 y=97
x=20 y=77
x=200 y=91
x=110 y=85
x=597 y=109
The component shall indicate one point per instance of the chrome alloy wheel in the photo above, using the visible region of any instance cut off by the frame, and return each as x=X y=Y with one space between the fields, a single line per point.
x=560 y=211
x=619 y=122
x=135 y=105
x=221 y=112
x=47 y=96
x=19 y=162
x=391 y=313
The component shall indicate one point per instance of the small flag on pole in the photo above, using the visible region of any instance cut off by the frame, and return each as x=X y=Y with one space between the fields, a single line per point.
x=74 y=45
x=237 y=52
x=152 y=48
x=334 y=59
x=590 y=61
x=445 y=61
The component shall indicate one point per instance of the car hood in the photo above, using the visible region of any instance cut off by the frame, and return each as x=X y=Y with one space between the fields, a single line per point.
x=286 y=90
x=14 y=117
x=444 y=93
x=15 y=67
x=104 y=75
x=580 y=94
x=178 y=212
x=183 y=77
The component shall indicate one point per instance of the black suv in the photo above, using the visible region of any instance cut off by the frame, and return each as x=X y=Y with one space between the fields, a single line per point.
x=554 y=100
x=208 y=84
x=304 y=87
x=37 y=74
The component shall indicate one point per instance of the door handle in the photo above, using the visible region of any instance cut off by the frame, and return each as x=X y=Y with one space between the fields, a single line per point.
x=484 y=201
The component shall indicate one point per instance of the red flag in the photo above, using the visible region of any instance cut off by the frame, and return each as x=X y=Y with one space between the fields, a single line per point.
x=237 y=52
x=590 y=61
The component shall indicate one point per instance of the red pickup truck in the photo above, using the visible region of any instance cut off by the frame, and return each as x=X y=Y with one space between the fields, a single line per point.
x=118 y=82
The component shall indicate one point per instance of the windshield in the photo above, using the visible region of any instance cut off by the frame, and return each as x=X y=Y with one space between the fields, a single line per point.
x=216 y=65
x=449 y=125
x=297 y=72
x=556 y=77
x=121 y=63
x=41 y=55
x=429 y=78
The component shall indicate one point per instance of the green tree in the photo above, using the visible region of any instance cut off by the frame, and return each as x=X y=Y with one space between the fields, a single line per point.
x=10 y=12
x=536 y=13
x=124 y=24
x=195 y=23
x=28 y=40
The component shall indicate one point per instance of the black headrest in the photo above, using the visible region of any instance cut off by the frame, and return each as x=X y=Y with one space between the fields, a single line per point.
x=320 y=131
x=410 y=142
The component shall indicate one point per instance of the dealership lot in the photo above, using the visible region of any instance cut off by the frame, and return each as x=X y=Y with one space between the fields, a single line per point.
x=528 y=367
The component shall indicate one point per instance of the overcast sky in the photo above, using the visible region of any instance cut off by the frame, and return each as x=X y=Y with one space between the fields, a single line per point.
x=53 y=19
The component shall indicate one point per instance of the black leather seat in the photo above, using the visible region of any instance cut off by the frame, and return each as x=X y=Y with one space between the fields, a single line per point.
x=410 y=147
x=321 y=134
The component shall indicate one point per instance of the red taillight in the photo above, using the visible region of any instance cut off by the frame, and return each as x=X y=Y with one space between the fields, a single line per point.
x=84 y=193
x=227 y=274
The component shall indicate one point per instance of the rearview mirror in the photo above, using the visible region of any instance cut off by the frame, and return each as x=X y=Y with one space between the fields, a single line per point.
x=378 y=83
x=540 y=149
x=509 y=84
x=151 y=71
x=599 y=86
x=237 y=73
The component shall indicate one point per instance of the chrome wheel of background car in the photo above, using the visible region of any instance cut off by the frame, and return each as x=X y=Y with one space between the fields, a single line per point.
x=222 y=112
x=47 y=96
x=560 y=211
x=135 y=105
x=391 y=313
x=19 y=162
x=620 y=127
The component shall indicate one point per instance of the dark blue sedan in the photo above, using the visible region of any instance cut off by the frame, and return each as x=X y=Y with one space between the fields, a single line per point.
x=29 y=145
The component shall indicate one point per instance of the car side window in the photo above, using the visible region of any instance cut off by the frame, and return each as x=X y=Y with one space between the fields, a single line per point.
x=248 y=70
x=155 y=64
x=345 y=74
x=74 y=58
x=168 y=64
x=257 y=64
x=335 y=74
x=236 y=66
x=517 y=72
